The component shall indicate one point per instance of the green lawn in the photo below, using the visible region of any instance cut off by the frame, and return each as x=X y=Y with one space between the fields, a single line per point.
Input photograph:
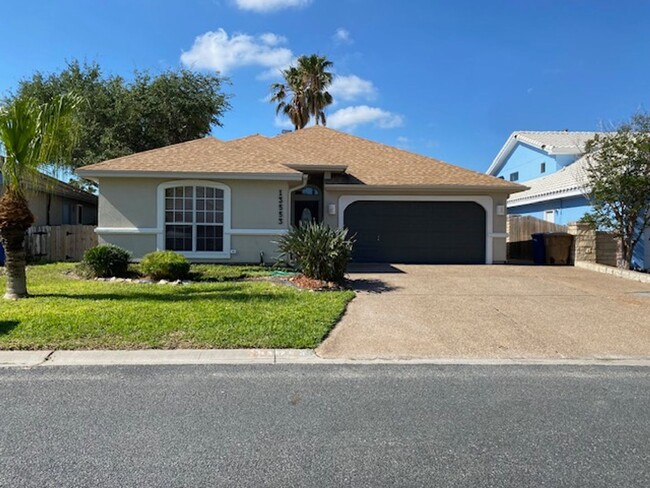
x=65 y=312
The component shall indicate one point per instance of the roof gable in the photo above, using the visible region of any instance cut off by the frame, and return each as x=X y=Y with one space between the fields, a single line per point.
x=551 y=142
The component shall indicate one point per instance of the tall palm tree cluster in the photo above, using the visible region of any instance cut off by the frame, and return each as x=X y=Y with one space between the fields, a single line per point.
x=32 y=135
x=303 y=94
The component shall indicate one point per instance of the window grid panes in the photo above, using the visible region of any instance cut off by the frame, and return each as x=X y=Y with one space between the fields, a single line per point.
x=194 y=218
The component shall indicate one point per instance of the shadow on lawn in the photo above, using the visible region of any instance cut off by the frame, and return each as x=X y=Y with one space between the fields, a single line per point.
x=177 y=295
x=7 y=325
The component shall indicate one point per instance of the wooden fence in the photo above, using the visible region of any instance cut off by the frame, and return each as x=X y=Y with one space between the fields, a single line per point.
x=520 y=228
x=59 y=242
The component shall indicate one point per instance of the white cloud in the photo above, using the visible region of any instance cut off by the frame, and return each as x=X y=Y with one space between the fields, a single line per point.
x=272 y=39
x=282 y=122
x=352 y=87
x=350 y=117
x=342 y=36
x=263 y=6
x=216 y=50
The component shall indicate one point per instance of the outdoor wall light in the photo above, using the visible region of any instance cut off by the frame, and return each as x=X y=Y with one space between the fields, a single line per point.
x=331 y=209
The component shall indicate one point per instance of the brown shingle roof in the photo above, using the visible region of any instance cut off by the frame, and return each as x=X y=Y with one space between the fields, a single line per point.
x=207 y=155
x=372 y=163
x=367 y=162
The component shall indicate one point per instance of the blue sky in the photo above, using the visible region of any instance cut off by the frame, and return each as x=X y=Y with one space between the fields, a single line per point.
x=447 y=79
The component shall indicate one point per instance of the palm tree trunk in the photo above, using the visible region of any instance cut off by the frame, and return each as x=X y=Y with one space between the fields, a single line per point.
x=13 y=241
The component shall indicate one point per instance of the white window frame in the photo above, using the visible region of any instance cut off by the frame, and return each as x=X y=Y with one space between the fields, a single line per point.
x=160 y=237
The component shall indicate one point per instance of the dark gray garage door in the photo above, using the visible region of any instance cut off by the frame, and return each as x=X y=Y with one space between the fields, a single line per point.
x=417 y=232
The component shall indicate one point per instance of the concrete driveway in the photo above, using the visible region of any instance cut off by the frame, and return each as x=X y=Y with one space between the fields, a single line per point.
x=415 y=311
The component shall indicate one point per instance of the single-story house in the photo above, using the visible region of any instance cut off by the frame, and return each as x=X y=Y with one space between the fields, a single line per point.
x=218 y=201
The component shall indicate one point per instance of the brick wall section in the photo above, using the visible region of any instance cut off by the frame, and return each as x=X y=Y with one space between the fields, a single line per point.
x=591 y=246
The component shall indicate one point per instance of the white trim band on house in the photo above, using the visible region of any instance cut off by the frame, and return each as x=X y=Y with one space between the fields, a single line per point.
x=127 y=230
x=258 y=232
x=153 y=230
x=484 y=201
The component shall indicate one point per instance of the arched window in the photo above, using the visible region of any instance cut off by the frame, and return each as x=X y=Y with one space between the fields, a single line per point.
x=195 y=217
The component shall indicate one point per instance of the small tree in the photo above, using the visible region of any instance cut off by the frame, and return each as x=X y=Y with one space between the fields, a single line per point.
x=618 y=181
x=33 y=135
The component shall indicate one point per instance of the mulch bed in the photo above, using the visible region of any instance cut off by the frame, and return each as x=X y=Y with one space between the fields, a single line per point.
x=301 y=281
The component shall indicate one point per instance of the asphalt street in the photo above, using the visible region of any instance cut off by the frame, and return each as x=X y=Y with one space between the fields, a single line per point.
x=325 y=425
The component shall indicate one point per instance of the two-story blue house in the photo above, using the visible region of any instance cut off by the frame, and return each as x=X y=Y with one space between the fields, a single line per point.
x=553 y=165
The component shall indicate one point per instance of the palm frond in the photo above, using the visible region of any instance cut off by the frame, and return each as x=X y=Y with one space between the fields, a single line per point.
x=35 y=135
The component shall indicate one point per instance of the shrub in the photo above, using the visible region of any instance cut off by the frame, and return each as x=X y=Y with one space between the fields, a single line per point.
x=165 y=265
x=105 y=260
x=320 y=252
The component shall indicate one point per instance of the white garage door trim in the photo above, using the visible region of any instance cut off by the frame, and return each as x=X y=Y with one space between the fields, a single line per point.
x=483 y=200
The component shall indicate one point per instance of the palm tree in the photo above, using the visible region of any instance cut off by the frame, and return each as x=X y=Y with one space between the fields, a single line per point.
x=290 y=97
x=316 y=77
x=303 y=93
x=32 y=136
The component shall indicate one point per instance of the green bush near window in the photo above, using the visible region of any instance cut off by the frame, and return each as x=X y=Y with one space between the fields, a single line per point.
x=320 y=252
x=165 y=265
x=105 y=261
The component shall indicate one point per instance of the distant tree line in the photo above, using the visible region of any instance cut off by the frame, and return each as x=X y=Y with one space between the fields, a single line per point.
x=120 y=117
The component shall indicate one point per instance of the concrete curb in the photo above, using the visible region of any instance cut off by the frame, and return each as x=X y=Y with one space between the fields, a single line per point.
x=30 y=359
x=23 y=359
x=619 y=273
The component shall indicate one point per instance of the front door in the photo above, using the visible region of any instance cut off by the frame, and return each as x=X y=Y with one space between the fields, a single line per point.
x=305 y=211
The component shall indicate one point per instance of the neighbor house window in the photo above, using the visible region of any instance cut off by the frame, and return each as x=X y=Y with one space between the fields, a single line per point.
x=542 y=168
x=80 y=214
x=514 y=176
x=194 y=219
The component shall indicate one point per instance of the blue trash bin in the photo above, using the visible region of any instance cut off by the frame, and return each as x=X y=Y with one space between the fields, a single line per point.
x=539 y=248
x=2 y=255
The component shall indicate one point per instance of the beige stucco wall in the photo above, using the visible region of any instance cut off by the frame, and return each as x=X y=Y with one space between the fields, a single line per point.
x=498 y=221
x=130 y=204
x=138 y=244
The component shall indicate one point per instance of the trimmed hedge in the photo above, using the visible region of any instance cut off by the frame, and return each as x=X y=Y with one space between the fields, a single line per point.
x=165 y=265
x=105 y=261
